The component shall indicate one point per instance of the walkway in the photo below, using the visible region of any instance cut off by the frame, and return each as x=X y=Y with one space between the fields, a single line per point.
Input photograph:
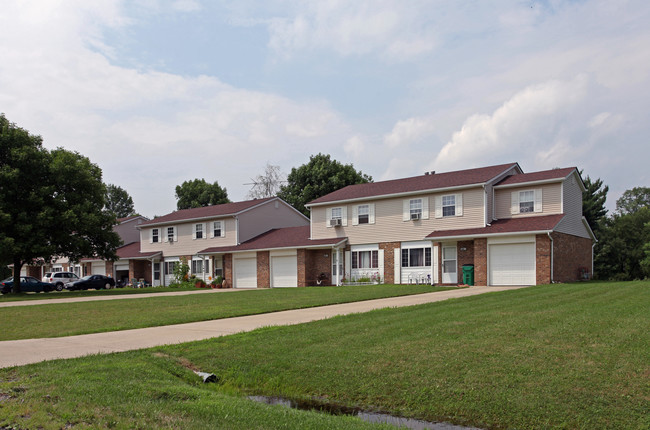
x=20 y=352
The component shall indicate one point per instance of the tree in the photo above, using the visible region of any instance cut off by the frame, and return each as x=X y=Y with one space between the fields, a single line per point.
x=267 y=184
x=317 y=178
x=198 y=193
x=593 y=203
x=633 y=200
x=51 y=203
x=118 y=201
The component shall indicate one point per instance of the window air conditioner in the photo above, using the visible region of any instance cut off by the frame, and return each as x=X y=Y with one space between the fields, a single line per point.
x=415 y=216
x=335 y=222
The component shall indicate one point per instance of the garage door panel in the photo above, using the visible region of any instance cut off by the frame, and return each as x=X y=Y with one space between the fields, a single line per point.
x=512 y=264
x=284 y=271
x=98 y=268
x=245 y=273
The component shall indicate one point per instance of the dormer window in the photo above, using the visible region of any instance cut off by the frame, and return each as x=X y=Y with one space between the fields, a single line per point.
x=526 y=201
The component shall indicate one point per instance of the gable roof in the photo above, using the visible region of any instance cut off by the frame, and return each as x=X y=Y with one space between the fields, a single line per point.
x=278 y=238
x=529 y=224
x=132 y=251
x=226 y=209
x=552 y=175
x=413 y=184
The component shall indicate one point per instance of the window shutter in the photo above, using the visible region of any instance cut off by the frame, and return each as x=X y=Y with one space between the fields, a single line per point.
x=205 y=230
x=193 y=231
x=538 y=200
x=459 y=205
x=355 y=215
x=328 y=217
x=438 y=206
x=397 y=265
x=222 y=226
x=406 y=210
x=514 y=202
x=164 y=234
x=348 y=264
x=380 y=261
x=175 y=235
x=151 y=236
x=344 y=216
x=213 y=225
x=371 y=213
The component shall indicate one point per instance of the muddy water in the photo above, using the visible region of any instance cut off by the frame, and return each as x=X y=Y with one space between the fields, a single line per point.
x=370 y=417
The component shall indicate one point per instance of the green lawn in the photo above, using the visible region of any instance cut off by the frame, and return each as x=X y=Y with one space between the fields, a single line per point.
x=558 y=356
x=89 y=293
x=67 y=319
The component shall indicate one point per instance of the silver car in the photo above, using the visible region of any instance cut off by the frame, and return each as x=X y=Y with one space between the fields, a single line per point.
x=59 y=279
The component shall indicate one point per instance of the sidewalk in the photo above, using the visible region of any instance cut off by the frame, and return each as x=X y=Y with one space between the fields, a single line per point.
x=20 y=352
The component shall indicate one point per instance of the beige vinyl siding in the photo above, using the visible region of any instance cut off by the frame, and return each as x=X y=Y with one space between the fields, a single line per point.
x=551 y=200
x=572 y=222
x=389 y=226
x=490 y=193
x=273 y=214
x=185 y=244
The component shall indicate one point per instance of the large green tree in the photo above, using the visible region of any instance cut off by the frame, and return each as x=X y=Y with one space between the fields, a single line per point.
x=320 y=176
x=633 y=200
x=118 y=201
x=593 y=203
x=51 y=203
x=198 y=193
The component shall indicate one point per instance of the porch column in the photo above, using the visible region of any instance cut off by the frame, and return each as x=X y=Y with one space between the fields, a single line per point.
x=336 y=267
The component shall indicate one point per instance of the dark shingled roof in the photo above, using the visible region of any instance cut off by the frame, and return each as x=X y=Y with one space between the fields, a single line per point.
x=544 y=175
x=502 y=226
x=207 y=211
x=290 y=237
x=417 y=183
x=132 y=250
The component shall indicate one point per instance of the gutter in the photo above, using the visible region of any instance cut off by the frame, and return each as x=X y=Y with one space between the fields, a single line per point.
x=551 y=239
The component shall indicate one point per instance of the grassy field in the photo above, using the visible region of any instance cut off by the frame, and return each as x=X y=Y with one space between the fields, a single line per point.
x=559 y=356
x=67 y=319
x=65 y=294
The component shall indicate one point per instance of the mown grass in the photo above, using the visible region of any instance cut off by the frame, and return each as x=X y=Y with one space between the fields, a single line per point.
x=560 y=356
x=67 y=319
x=54 y=295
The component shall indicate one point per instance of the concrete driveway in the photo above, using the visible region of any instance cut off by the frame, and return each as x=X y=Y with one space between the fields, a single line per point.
x=21 y=352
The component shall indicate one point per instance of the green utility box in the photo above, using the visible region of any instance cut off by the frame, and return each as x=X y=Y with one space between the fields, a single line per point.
x=468 y=274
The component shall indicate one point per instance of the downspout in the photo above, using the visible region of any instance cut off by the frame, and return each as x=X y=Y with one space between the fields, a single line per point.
x=593 y=244
x=551 y=239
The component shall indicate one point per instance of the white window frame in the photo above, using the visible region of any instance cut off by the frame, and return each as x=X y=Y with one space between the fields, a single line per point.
x=449 y=205
x=338 y=212
x=439 y=205
x=155 y=235
x=198 y=231
x=526 y=201
x=363 y=214
x=516 y=201
x=171 y=233
x=218 y=231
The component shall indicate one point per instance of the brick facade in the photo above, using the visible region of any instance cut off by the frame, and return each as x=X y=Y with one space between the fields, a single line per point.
x=465 y=249
x=389 y=260
x=318 y=261
x=302 y=267
x=480 y=262
x=227 y=269
x=263 y=269
x=543 y=259
x=570 y=254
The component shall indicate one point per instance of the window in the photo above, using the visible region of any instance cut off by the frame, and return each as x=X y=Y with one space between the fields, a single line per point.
x=170 y=234
x=198 y=231
x=449 y=205
x=526 y=201
x=416 y=208
x=156 y=271
x=155 y=235
x=336 y=213
x=216 y=229
x=169 y=267
x=416 y=257
x=197 y=266
x=365 y=259
x=364 y=214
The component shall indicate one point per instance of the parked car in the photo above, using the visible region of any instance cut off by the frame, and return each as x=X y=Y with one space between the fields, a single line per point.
x=59 y=279
x=97 y=282
x=27 y=284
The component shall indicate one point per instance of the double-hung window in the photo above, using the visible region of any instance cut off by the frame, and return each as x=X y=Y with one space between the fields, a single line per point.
x=336 y=213
x=170 y=234
x=449 y=205
x=416 y=257
x=197 y=266
x=169 y=267
x=526 y=201
x=415 y=208
x=155 y=235
x=365 y=259
x=217 y=229
x=364 y=214
x=198 y=231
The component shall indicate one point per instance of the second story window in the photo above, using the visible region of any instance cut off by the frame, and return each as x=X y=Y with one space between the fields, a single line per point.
x=198 y=231
x=449 y=205
x=415 y=208
x=155 y=235
x=217 y=229
x=364 y=214
x=526 y=201
x=336 y=213
x=170 y=234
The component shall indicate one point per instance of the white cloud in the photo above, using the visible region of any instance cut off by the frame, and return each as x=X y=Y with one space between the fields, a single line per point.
x=355 y=147
x=408 y=131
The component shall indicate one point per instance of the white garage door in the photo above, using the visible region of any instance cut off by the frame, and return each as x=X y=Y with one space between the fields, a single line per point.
x=284 y=271
x=98 y=268
x=512 y=264
x=245 y=272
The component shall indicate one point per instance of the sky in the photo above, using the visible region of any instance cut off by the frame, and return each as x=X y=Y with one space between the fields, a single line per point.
x=160 y=92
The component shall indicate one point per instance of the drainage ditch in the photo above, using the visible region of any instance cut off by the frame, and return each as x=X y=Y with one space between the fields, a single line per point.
x=371 y=417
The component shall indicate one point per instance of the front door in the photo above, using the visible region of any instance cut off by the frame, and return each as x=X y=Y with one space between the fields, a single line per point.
x=449 y=265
